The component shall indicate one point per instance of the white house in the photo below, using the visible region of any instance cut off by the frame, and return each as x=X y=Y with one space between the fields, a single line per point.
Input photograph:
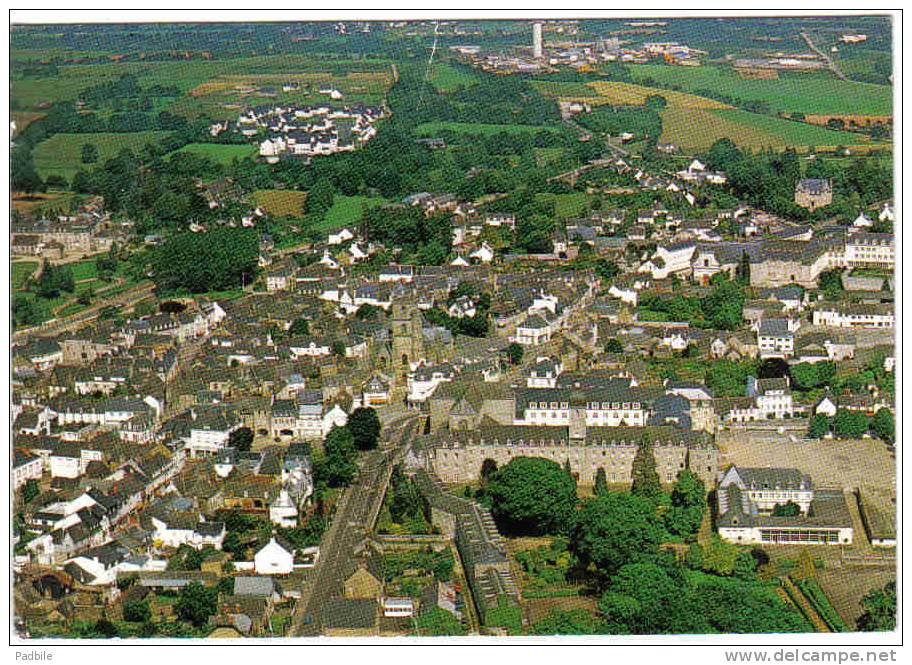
x=825 y=407
x=484 y=254
x=283 y=511
x=534 y=331
x=273 y=559
x=339 y=237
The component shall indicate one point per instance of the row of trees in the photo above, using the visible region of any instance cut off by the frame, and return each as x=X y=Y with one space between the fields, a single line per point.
x=848 y=424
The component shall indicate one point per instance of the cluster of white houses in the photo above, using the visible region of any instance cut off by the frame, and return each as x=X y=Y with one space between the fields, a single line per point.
x=306 y=131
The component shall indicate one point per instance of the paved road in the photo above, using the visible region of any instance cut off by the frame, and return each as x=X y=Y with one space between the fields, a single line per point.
x=355 y=516
x=825 y=56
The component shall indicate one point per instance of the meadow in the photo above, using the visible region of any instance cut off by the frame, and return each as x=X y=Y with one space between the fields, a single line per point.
x=347 y=210
x=219 y=153
x=27 y=93
x=566 y=206
x=61 y=154
x=447 y=78
x=433 y=128
x=792 y=92
x=694 y=123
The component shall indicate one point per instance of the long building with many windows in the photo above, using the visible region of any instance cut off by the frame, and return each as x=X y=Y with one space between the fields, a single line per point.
x=747 y=501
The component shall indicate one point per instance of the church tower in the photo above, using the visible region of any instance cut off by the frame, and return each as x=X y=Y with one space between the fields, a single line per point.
x=406 y=334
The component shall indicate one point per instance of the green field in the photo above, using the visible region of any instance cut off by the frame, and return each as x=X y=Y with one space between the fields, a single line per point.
x=20 y=271
x=432 y=128
x=793 y=133
x=548 y=156
x=567 y=205
x=62 y=153
x=347 y=210
x=84 y=270
x=219 y=153
x=447 y=78
x=792 y=92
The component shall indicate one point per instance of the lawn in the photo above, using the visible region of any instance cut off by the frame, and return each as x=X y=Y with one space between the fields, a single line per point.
x=432 y=128
x=347 y=210
x=20 y=271
x=219 y=153
x=281 y=202
x=792 y=92
x=568 y=205
x=84 y=269
x=62 y=153
x=447 y=78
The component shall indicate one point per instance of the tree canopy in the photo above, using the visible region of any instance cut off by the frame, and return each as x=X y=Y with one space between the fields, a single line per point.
x=614 y=529
x=532 y=495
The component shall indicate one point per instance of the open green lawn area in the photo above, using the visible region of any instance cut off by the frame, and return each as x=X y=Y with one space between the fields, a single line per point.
x=219 y=153
x=447 y=78
x=793 y=92
x=568 y=205
x=62 y=153
x=432 y=128
x=84 y=269
x=20 y=271
x=347 y=210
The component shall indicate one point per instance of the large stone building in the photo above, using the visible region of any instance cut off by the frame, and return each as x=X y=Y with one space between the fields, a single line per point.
x=813 y=193
x=456 y=456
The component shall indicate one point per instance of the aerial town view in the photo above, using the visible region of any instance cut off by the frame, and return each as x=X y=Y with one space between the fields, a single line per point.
x=453 y=328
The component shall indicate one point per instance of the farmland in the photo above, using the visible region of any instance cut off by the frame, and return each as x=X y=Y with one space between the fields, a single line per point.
x=219 y=153
x=280 y=202
x=693 y=122
x=792 y=92
x=28 y=93
x=61 y=155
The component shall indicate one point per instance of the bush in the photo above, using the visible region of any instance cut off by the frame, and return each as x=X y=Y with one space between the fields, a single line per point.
x=821 y=604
